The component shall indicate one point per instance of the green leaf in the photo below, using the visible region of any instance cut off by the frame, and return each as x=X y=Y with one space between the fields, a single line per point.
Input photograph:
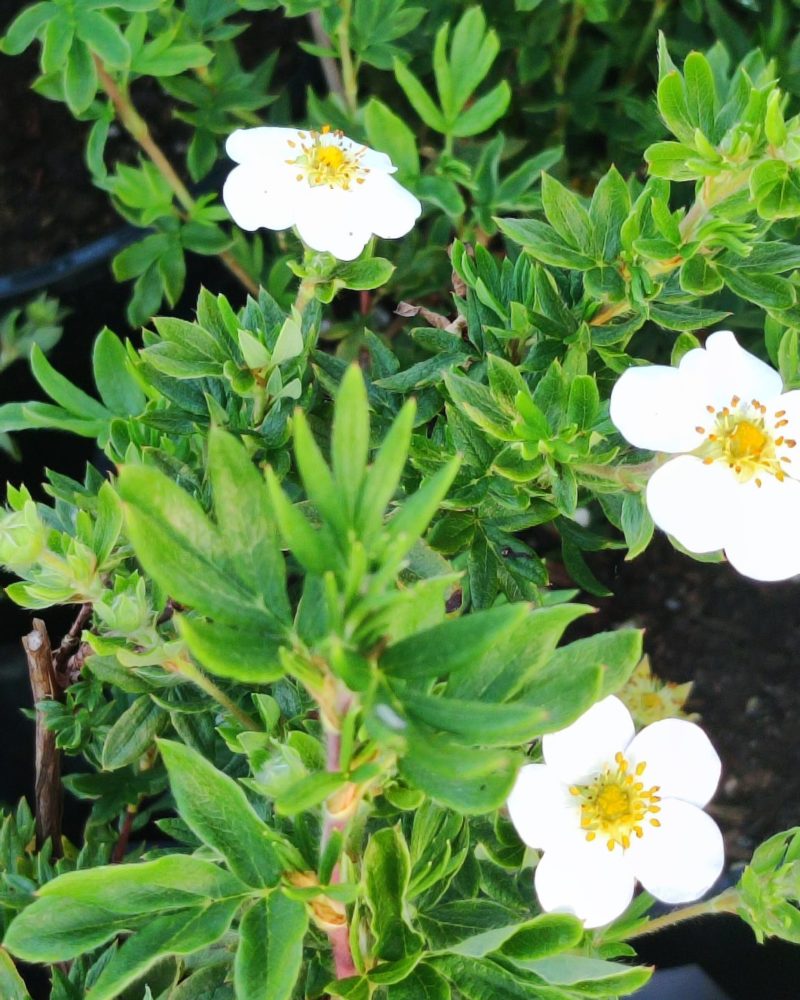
x=701 y=93
x=179 y=933
x=81 y=910
x=418 y=97
x=672 y=103
x=469 y=926
x=102 y=36
x=80 y=78
x=584 y=401
x=350 y=437
x=567 y=216
x=133 y=733
x=409 y=523
x=246 y=655
x=669 y=160
x=383 y=476
x=452 y=645
x=180 y=548
x=362 y=275
x=241 y=506
x=698 y=276
x=423 y=983
x=775 y=188
x=590 y=977
x=315 y=550
x=637 y=524
x=12 y=986
x=611 y=204
x=118 y=389
x=216 y=809
x=616 y=653
x=308 y=792
x=471 y=782
x=73 y=399
x=543 y=936
x=387 y=870
x=480 y=116
x=543 y=243
x=388 y=132
x=768 y=290
x=472 y=52
x=270 y=951
x=26 y=26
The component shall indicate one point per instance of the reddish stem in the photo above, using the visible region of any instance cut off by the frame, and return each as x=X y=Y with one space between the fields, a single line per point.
x=121 y=845
x=339 y=937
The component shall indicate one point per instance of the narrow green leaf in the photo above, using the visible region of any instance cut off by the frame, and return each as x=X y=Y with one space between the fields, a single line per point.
x=566 y=215
x=179 y=933
x=12 y=986
x=387 y=871
x=383 y=476
x=60 y=389
x=118 y=389
x=453 y=645
x=246 y=655
x=80 y=77
x=270 y=951
x=350 y=437
x=26 y=26
x=418 y=97
x=133 y=733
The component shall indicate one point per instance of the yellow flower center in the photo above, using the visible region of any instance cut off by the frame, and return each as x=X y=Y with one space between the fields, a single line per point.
x=324 y=161
x=741 y=438
x=616 y=805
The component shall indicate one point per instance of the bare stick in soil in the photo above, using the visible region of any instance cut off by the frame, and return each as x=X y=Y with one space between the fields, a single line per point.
x=49 y=792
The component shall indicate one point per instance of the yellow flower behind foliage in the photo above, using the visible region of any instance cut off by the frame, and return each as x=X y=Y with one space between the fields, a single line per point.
x=650 y=699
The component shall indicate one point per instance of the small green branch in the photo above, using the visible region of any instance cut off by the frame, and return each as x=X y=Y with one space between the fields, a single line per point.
x=575 y=17
x=726 y=902
x=197 y=677
x=349 y=73
x=138 y=129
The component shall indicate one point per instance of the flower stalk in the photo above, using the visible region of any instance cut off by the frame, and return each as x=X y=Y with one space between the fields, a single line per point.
x=725 y=902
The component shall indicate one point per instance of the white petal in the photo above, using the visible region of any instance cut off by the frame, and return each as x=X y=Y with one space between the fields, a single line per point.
x=788 y=405
x=591 y=882
x=680 y=759
x=694 y=502
x=580 y=751
x=330 y=219
x=724 y=369
x=263 y=144
x=256 y=197
x=653 y=408
x=541 y=807
x=369 y=158
x=390 y=209
x=766 y=544
x=681 y=859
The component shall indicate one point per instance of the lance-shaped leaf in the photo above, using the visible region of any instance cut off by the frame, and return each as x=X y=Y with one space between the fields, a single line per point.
x=216 y=809
x=270 y=952
x=387 y=870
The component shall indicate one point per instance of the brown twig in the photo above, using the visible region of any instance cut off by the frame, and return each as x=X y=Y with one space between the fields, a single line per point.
x=70 y=645
x=138 y=129
x=121 y=846
x=48 y=789
x=330 y=67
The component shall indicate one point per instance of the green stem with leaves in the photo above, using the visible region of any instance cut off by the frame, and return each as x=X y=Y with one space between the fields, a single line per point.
x=138 y=129
x=197 y=677
x=575 y=18
x=707 y=199
x=726 y=902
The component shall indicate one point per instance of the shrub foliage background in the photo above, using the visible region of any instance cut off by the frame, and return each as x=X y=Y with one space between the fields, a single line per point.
x=319 y=629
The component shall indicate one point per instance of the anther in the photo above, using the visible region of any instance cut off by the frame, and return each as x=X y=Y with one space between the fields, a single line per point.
x=781 y=423
x=735 y=400
x=710 y=409
x=780 y=413
x=790 y=443
x=700 y=430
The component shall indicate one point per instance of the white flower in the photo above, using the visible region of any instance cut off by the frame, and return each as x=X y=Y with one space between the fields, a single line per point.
x=608 y=808
x=335 y=192
x=734 y=484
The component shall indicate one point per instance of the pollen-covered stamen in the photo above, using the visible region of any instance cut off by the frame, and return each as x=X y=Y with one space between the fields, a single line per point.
x=327 y=159
x=617 y=805
x=743 y=439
